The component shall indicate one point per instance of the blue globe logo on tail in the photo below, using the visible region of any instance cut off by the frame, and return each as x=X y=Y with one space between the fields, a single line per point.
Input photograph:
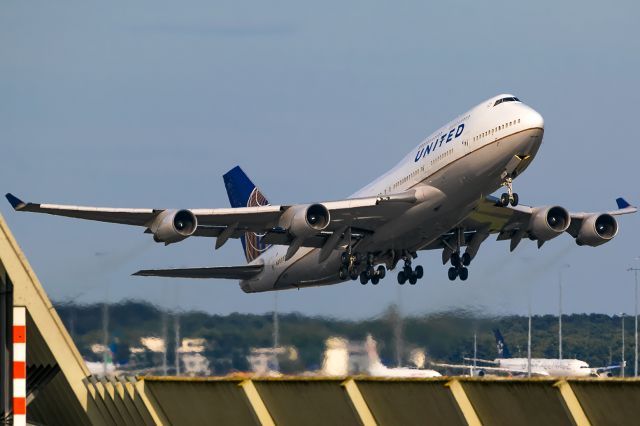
x=243 y=193
x=252 y=242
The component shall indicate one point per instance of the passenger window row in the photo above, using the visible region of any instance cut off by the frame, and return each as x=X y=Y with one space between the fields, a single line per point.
x=441 y=156
x=495 y=129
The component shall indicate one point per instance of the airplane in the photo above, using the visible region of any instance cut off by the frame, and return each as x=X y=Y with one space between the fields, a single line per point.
x=436 y=198
x=539 y=366
x=378 y=369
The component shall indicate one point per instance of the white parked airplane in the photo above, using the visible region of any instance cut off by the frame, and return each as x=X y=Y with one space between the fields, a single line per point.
x=378 y=369
x=539 y=366
x=435 y=198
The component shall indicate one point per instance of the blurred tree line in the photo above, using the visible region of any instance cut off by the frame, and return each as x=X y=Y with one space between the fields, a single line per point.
x=445 y=336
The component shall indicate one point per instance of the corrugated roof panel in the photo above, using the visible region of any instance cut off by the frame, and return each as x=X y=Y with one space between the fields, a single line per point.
x=307 y=402
x=56 y=404
x=411 y=402
x=609 y=402
x=521 y=402
x=199 y=402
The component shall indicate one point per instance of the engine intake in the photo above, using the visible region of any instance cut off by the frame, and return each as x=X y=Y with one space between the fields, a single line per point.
x=172 y=226
x=597 y=229
x=303 y=221
x=549 y=222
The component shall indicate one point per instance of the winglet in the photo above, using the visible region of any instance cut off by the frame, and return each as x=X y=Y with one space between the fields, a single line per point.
x=15 y=202
x=622 y=203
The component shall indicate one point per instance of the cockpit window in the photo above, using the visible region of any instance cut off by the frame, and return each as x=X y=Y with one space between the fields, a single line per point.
x=513 y=99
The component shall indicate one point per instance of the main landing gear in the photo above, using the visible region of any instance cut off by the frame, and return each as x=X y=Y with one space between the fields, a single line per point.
x=351 y=265
x=372 y=273
x=509 y=197
x=459 y=266
x=409 y=274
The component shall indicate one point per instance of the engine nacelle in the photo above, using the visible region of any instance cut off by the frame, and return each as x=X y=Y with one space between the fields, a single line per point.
x=172 y=226
x=304 y=221
x=549 y=222
x=597 y=229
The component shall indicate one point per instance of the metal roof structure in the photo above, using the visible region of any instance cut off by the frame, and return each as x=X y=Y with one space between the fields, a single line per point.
x=62 y=392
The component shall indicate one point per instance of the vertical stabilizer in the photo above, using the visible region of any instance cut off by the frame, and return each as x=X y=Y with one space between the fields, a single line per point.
x=503 y=349
x=243 y=193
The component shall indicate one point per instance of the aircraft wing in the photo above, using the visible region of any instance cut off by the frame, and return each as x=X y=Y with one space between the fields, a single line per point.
x=357 y=217
x=364 y=213
x=515 y=224
x=229 y=272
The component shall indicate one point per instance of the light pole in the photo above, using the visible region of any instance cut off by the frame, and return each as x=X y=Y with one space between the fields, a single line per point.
x=622 y=362
x=560 y=309
x=635 y=316
x=529 y=342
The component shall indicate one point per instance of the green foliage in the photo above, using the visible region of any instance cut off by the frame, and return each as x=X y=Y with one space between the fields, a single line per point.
x=447 y=336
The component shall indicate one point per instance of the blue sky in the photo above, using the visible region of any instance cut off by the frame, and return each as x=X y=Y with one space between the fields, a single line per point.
x=148 y=104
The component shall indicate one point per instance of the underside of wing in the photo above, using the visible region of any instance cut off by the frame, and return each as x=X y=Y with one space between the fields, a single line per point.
x=524 y=222
x=226 y=272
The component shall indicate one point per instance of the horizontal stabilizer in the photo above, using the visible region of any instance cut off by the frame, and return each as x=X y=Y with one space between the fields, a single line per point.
x=227 y=272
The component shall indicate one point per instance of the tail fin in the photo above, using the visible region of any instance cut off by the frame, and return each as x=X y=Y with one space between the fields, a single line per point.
x=243 y=193
x=503 y=349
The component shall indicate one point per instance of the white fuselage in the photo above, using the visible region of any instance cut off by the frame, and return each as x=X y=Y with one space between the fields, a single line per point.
x=379 y=370
x=544 y=366
x=464 y=159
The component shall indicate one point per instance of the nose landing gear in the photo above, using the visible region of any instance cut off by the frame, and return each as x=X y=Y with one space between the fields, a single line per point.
x=509 y=197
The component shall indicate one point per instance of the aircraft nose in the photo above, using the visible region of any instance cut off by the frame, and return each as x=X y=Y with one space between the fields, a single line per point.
x=535 y=120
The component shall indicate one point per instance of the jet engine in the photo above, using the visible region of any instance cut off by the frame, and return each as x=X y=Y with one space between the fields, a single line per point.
x=549 y=222
x=304 y=221
x=172 y=226
x=597 y=229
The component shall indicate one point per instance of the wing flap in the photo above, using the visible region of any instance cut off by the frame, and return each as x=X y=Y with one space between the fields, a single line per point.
x=244 y=272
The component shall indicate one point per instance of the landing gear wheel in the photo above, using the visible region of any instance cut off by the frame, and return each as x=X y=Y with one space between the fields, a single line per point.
x=364 y=279
x=419 y=271
x=464 y=274
x=343 y=274
x=455 y=259
x=344 y=257
x=375 y=280
x=402 y=278
x=504 y=199
x=381 y=272
x=354 y=275
x=514 y=199
x=371 y=272
x=466 y=259
x=453 y=273
x=413 y=279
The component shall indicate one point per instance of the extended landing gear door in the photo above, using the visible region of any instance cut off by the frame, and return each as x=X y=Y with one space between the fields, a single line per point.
x=516 y=165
